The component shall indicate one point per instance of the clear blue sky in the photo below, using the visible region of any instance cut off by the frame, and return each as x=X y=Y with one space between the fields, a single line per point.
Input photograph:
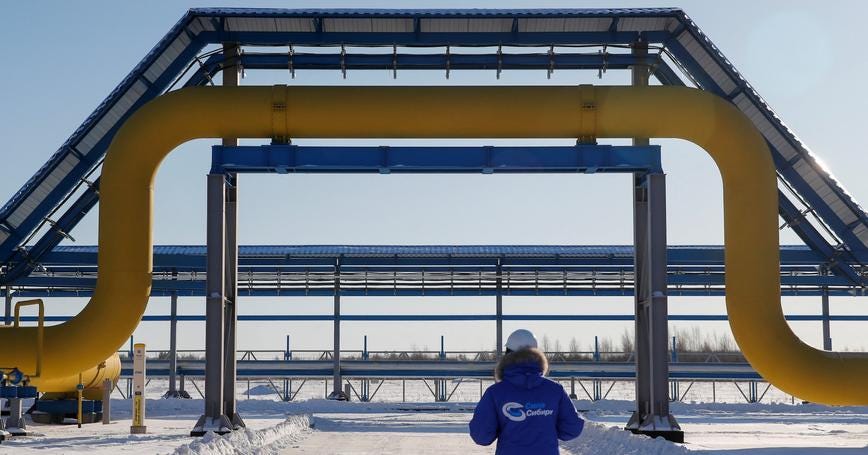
x=803 y=57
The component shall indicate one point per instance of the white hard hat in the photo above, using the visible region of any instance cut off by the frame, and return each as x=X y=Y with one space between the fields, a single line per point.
x=521 y=339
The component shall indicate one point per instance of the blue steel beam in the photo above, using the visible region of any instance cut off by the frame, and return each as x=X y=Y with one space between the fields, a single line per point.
x=460 y=318
x=284 y=159
x=444 y=284
x=557 y=61
x=456 y=61
x=626 y=291
x=421 y=369
x=193 y=256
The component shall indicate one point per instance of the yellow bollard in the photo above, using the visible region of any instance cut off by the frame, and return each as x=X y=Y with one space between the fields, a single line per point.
x=78 y=392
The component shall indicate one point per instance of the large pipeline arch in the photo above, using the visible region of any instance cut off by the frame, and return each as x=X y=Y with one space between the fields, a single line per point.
x=741 y=154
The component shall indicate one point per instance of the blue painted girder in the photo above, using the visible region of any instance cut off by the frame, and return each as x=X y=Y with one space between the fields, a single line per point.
x=384 y=160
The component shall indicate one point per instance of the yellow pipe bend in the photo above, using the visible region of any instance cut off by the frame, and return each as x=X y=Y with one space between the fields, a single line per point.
x=745 y=164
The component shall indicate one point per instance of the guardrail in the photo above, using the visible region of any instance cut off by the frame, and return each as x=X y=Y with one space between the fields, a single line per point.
x=429 y=369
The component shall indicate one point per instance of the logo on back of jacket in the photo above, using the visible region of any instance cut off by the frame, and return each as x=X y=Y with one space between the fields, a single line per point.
x=518 y=412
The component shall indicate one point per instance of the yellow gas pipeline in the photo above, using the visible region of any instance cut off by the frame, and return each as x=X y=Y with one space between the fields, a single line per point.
x=746 y=168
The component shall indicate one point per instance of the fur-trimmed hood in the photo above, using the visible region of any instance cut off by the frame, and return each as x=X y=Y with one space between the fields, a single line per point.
x=522 y=367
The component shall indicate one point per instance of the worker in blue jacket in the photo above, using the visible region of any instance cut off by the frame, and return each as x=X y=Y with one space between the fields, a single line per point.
x=524 y=411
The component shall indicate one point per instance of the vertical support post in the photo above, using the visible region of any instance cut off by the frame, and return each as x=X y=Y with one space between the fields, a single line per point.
x=216 y=296
x=230 y=319
x=827 y=329
x=596 y=348
x=337 y=392
x=649 y=239
x=231 y=77
x=7 y=309
x=16 y=424
x=442 y=347
x=214 y=418
x=287 y=386
x=674 y=350
x=440 y=384
x=173 y=347
x=130 y=380
x=499 y=308
x=365 y=383
x=107 y=387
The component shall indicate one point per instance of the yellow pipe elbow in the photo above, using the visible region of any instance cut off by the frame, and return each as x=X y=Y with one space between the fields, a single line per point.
x=741 y=154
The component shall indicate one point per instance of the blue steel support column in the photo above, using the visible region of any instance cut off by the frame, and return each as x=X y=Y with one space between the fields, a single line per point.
x=231 y=78
x=499 y=309
x=650 y=265
x=366 y=383
x=7 y=308
x=287 y=356
x=827 y=330
x=173 y=392
x=337 y=381
x=173 y=347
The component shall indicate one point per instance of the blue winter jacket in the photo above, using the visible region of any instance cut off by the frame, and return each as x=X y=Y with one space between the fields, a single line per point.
x=525 y=412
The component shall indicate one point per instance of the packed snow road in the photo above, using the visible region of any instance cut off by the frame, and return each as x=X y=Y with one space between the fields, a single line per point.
x=389 y=433
x=321 y=426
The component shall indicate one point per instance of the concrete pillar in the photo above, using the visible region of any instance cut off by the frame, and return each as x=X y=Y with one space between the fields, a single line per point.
x=649 y=238
x=827 y=329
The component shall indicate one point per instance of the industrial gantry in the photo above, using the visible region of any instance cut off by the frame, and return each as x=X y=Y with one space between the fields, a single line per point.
x=761 y=161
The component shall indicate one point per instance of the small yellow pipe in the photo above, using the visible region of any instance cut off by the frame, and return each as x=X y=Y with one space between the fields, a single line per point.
x=741 y=154
x=40 y=331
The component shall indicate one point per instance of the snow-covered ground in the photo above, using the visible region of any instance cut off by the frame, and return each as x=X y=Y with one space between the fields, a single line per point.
x=314 y=425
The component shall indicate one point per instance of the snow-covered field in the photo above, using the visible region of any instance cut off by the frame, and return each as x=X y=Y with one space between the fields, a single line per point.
x=314 y=425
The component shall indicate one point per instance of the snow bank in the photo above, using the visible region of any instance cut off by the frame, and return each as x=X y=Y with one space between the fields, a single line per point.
x=261 y=389
x=267 y=441
x=597 y=439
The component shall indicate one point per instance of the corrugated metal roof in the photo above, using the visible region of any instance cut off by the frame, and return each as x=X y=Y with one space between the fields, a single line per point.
x=469 y=13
